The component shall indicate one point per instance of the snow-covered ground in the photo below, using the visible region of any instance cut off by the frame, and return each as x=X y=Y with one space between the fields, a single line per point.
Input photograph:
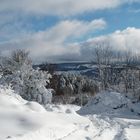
x=109 y=116
x=114 y=116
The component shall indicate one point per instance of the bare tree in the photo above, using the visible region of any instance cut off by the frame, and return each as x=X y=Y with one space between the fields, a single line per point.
x=103 y=56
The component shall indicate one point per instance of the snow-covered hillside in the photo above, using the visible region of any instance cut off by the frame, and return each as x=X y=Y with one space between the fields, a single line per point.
x=112 y=104
x=114 y=116
x=23 y=120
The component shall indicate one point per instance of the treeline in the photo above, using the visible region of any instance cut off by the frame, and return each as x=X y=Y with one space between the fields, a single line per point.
x=72 y=88
x=118 y=70
x=17 y=72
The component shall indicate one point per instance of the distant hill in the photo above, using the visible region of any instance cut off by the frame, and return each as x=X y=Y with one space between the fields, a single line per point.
x=83 y=68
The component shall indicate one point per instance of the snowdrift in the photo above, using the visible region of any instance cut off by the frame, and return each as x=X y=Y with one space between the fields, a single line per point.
x=110 y=103
x=114 y=116
x=23 y=120
x=17 y=116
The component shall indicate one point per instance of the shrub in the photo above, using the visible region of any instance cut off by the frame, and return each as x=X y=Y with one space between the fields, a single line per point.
x=29 y=83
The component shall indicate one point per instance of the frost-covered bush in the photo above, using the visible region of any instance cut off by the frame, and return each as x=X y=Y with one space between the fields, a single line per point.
x=73 y=88
x=29 y=83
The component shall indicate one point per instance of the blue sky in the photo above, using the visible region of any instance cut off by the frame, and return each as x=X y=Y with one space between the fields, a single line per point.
x=54 y=30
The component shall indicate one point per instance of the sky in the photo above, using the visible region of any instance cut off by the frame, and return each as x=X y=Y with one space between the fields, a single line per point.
x=67 y=30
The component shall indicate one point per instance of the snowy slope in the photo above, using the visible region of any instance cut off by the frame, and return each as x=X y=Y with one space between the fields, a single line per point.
x=114 y=115
x=22 y=120
x=110 y=103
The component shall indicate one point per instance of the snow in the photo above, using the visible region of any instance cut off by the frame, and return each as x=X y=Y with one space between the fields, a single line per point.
x=23 y=120
x=114 y=115
x=110 y=103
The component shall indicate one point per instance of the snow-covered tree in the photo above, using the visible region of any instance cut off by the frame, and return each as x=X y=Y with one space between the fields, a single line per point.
x=29 y=83
x=73 y=88
x=103 y=56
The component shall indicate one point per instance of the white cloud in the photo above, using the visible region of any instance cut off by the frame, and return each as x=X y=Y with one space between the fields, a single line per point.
x=59 y=7
x=127 y=39
x=54 y=43
x=51 y=45
x=124 y=40
x=73 y=28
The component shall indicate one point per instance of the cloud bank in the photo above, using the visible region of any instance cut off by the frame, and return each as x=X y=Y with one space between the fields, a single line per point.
x=125 y=40
x=59 y=7
x=61 y=41
x=54 y=43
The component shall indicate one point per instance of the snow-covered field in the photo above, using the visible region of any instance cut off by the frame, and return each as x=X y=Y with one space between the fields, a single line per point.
x=109 y=116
